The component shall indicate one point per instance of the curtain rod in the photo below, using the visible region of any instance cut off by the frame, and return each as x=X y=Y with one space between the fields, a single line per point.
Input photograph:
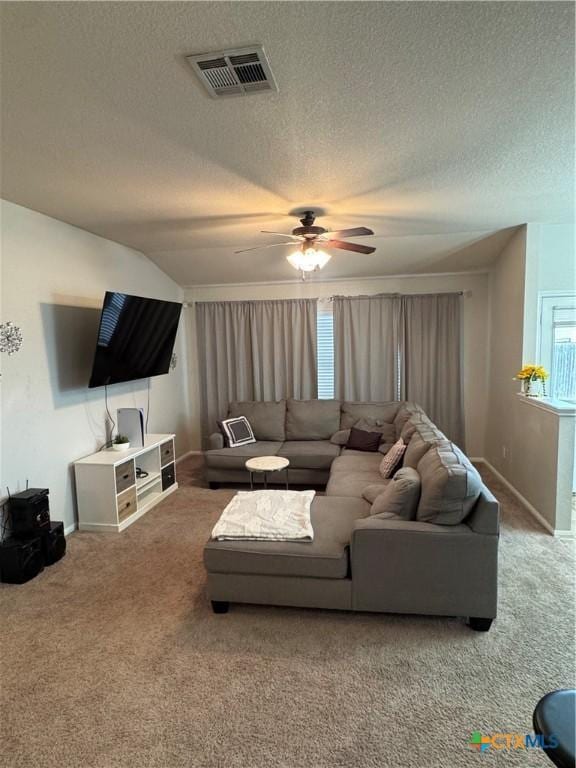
x=399 y=295
x=329 y=298
x=253 y=301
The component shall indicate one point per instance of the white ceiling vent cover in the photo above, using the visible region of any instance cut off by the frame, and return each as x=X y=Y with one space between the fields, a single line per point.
x=234 y=73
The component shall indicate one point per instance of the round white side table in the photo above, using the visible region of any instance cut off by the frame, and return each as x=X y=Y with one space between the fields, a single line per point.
x=265 y=465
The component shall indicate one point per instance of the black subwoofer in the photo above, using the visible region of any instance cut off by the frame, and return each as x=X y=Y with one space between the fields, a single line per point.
x=53 y=543
x=20 y=559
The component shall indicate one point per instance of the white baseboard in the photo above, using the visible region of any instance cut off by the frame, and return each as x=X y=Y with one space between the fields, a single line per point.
x=524 y=501
x=70 y=529
x=570 y=535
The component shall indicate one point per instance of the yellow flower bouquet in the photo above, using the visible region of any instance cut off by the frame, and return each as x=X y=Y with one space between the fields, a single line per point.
x=529 y=374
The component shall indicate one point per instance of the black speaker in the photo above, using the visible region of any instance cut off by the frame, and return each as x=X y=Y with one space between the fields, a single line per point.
x=20 y=559
x=53 y=543
x=29 y=512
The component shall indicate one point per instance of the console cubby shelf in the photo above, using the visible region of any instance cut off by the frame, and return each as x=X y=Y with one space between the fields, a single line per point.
x=144 y=482
x=110 y=494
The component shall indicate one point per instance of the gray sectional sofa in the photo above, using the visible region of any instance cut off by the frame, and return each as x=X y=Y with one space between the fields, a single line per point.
x=442 y=561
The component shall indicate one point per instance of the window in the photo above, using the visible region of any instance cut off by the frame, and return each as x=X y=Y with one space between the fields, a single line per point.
x=325 y=339
x=557 y=343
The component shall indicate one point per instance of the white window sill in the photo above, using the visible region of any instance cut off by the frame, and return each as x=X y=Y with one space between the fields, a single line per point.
x=559 y=407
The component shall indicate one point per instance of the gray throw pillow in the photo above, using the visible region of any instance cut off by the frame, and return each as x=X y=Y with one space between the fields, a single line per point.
x=415 y=450
x=450 y=485
x=372 y=491
x=340 y=437
x=408 y=430
x=403 y=415
x=382 y=413
x=400 y=497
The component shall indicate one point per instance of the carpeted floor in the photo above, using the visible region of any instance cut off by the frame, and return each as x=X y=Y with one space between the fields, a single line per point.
x=112 y=658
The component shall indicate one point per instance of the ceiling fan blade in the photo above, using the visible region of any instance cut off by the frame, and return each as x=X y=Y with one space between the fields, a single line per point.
x=258 y=247
x=354 y=232
x=280 y=234
x=348 y=246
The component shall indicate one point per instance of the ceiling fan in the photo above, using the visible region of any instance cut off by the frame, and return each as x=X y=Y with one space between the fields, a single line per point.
x=311 y=240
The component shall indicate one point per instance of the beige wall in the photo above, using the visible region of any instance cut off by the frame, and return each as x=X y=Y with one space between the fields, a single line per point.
x=475 y=301
x=506 y=340
x=53 y=280
x=532 y=447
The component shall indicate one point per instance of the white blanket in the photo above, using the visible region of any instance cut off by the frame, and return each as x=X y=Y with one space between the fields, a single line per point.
x=267 y=516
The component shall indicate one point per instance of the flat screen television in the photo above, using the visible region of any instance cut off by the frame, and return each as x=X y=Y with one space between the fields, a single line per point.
x=135 y=338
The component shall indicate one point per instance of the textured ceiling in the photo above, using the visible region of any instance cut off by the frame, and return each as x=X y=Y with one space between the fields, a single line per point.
x=438 y=124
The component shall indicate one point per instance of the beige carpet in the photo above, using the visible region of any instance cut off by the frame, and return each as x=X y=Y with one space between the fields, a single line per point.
x=113 y=658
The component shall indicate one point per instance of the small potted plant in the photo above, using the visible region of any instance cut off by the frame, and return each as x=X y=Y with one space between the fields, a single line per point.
x=531 y=375
x=120 y=443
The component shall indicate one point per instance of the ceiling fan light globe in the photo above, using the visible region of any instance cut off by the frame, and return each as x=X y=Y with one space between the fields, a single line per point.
x=308 y=259
x=322 y=258
x=299 y=261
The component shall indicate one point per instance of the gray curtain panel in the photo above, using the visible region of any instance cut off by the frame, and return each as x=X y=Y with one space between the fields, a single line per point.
x=366 y=348
x=430 y=355
x=254 y=350
x=393 y=347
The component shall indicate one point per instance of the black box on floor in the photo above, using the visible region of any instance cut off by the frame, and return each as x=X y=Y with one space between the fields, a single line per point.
x=53 y=542
x=20 y=559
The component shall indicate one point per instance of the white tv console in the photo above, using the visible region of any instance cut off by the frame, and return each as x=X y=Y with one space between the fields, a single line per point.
x=110 y=495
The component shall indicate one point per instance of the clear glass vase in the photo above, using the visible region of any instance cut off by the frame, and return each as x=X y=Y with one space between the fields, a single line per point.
x=534 y=388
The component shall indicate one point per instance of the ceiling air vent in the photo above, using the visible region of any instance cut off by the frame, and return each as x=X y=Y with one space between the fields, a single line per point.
x=234 y=73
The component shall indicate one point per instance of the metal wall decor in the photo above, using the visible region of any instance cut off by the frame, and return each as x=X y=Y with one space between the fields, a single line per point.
x=10 y=338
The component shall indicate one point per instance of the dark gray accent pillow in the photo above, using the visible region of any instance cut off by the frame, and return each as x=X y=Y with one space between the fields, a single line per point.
x=372 y=425
x=312 y=419
x=400 y=497
x=360 y=440
x=267 y=419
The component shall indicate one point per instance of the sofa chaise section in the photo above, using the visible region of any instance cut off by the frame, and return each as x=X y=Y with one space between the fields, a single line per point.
x=309 y=574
